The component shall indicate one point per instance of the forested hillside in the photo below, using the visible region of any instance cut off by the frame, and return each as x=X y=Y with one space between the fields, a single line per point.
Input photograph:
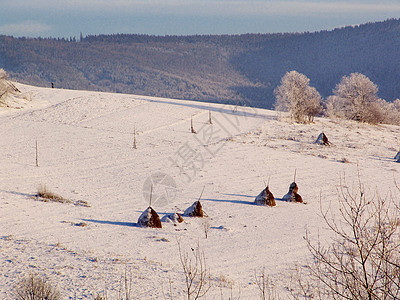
x=223 y=68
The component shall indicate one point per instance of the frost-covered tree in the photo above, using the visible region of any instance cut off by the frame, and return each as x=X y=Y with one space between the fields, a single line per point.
x=355 y=98
x=3 y=74
x=5 y=87
x=391 y=112
x=295 y=95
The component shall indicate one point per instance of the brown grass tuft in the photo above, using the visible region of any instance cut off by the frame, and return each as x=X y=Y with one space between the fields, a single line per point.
x=35 y=287
x=47 y=195
x=44 y=195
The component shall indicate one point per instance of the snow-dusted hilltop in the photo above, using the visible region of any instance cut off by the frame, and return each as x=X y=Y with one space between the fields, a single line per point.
x=226 y=68
x=85 y=154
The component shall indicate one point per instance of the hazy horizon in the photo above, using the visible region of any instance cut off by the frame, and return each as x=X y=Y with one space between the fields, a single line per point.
x=45 y=18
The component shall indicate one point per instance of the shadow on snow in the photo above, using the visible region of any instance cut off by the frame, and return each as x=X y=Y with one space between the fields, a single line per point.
x=131 y=224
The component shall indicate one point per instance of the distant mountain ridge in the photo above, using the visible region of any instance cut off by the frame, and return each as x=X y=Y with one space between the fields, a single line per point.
x=242 y=69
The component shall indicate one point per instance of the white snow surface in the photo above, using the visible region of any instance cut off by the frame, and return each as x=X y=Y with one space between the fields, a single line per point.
x=85 y=153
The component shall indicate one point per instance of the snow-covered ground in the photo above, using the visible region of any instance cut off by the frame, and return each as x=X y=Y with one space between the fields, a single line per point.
x=85 y=153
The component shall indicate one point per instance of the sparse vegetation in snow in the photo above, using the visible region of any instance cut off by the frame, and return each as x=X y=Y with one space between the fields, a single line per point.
x=34 y=287
x=86 y=140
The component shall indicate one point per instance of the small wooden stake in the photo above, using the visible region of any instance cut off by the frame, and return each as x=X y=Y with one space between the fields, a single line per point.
x=191 y=126
x=37 y=156
x=209 y=117
x=201 y=193
x=267 y=184
x=294 y=179
x=134 y=138
x=151 y=193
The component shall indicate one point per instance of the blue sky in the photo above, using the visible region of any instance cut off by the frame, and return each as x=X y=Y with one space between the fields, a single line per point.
x=66 y=18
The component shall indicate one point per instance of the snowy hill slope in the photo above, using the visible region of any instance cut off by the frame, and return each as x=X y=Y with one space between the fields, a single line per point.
x=85 y=153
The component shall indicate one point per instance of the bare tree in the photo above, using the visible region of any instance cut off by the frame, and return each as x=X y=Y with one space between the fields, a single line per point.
x=294 y=95
x=363 y=260
x=197 y=276
x=301 y=287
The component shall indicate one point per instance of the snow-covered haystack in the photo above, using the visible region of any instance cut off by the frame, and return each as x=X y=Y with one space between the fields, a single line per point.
x=196 y=210
x=322 y=140
x=172 y=218
x=265 y=198
x=292 y=195
x=149 y=218
x=397 y=157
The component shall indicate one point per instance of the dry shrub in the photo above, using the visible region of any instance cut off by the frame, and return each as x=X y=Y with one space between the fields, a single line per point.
x=121 y=290
x=265 y=287
x=82 y=203
x=206 y=226
x=6 y=88
x=197 y=276
x=43 y=194
x=363 y=260
x=47 y=195
x=36 y=288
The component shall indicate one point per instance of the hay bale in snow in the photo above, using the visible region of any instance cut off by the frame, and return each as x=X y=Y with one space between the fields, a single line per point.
x=149 y=218
x=174 y=218
x=292 y=195
x=196 y=210
x=397 y=157
x=265 y=198
x=322 y=140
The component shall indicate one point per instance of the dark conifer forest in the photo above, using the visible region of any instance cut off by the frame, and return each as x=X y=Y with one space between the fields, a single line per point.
x=242 y=69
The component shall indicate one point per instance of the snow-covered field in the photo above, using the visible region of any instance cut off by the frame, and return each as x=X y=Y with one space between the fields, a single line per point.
x=85 y=153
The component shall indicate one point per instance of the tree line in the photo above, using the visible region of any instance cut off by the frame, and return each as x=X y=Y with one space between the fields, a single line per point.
x=355 y=97
x=217 y=68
